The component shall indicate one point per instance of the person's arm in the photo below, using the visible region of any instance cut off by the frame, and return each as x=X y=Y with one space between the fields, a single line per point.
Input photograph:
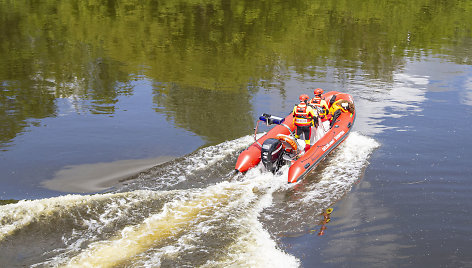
x=332 y=100
x=329 y=113
x=293 y=117
x=314 y=115
x=325 y=106
x=336 y=114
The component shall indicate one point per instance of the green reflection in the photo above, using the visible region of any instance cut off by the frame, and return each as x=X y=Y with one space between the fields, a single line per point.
x=213 y=114
x=206 y=49
x=9 y=201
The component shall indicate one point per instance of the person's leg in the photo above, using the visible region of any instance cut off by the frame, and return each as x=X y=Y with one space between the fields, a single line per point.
x=307 y=133
x=298 y=132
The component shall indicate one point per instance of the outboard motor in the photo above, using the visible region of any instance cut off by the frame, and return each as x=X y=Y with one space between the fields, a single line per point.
x=271 y=154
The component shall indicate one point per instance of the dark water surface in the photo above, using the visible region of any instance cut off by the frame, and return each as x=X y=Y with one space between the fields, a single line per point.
x=95 y=95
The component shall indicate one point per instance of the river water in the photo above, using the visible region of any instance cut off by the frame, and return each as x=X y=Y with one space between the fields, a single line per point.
x=121 y=123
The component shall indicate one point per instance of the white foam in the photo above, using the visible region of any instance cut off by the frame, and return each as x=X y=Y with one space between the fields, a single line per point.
x=15 y=216
x=201 y=159
x=227 y=203
x=343 y=169
x=255 y=247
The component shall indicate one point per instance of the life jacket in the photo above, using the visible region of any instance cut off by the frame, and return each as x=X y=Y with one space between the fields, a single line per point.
x=316 y=100
x=320 y=105
x=303 y=115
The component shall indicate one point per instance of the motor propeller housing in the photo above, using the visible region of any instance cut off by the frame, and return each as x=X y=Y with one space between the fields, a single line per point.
x=272 y=154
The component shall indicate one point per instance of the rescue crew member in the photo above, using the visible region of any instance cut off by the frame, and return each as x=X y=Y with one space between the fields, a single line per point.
x=321 y=106
x=320 y=102
x=304 y=117
x=338 y=107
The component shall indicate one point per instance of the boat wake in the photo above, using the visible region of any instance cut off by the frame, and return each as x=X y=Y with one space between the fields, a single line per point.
x=189 y=212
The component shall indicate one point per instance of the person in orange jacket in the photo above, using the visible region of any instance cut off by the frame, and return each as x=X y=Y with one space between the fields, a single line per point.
x=304 y=116
x=320 y=104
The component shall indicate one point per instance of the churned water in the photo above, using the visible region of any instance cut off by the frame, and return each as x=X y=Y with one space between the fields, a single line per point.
x=213 y=224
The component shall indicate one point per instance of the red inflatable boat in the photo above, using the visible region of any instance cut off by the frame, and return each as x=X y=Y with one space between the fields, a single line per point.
x=279 y=146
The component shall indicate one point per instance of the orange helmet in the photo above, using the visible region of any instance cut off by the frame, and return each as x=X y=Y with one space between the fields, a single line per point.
x=318 y=91
x=304 y=98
